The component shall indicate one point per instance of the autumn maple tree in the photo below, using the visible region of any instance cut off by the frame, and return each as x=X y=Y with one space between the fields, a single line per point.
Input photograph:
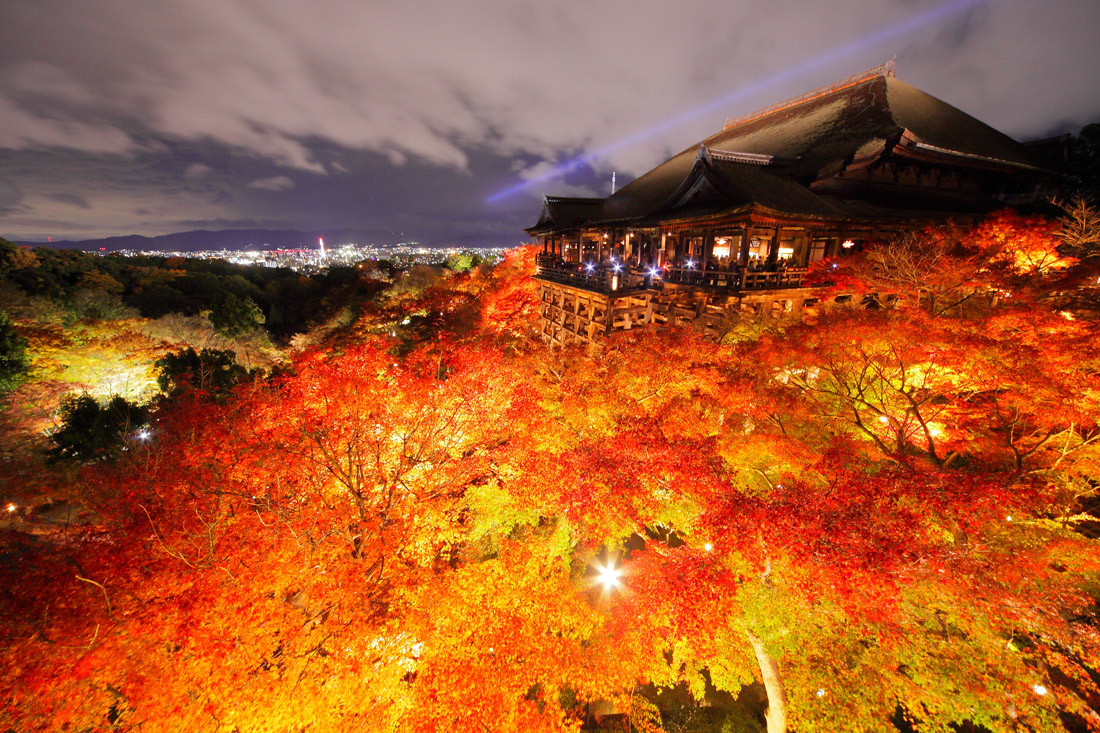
x=434 y=522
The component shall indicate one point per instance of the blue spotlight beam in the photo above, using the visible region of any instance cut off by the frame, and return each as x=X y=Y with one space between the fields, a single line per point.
x=940 y=12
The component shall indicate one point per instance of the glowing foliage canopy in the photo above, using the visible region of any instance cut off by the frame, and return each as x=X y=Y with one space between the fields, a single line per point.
x=864 y=516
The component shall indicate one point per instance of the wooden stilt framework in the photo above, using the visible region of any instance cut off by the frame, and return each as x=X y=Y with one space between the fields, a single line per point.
x=571 y=315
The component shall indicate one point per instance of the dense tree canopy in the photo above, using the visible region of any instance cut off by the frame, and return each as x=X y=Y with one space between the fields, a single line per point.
x=866 y=519
x=13 y=354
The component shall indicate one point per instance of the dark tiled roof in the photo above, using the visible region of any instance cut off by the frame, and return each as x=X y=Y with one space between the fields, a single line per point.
x=562 y=212
x=937 y=123
x=812 y=138
x=773 y=190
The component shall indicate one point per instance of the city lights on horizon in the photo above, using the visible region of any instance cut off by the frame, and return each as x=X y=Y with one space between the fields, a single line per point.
x=309 y=260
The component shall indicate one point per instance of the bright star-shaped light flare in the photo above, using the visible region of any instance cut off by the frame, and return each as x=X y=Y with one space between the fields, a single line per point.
x=609 y=576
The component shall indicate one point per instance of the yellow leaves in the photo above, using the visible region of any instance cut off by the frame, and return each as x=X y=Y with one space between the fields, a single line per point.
x=105 y=358
x=496 y=511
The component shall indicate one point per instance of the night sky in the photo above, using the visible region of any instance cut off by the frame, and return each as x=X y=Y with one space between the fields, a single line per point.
x=402 y=118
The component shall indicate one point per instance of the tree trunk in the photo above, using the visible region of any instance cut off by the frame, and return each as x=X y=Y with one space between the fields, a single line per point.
x=776 y=714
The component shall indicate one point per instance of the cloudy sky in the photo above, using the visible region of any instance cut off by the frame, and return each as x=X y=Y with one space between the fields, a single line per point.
x=403 y=118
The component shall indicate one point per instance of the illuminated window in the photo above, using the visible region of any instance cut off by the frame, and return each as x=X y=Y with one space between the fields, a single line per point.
x=757 y=249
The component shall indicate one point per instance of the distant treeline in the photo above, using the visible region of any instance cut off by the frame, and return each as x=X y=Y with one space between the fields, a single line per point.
x=98 y=286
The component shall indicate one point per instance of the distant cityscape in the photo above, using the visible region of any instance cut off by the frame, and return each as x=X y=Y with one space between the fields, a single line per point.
x=310 y=260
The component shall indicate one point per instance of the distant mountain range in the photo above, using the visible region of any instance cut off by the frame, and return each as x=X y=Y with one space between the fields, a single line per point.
x=228 y=239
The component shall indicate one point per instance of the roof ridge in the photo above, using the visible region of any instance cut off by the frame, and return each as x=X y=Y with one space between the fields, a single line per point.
x=883 y=70
x=736 y=156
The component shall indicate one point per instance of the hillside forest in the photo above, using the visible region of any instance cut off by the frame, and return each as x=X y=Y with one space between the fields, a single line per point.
x=244 y=500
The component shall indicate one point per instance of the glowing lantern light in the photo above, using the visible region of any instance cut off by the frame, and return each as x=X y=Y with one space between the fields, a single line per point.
x=1039 y=689
x=608 y=576
x=848 y=244
x=708 y=547
x=820 y=692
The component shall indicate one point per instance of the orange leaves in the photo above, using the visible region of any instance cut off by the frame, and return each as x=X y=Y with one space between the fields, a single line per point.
x=511 y=305
x=508 y=630
x=911 y=385
x=1025 y=246
x=368 y=540
x=954 y=271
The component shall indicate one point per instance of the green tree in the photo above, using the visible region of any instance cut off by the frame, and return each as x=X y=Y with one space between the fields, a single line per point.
x=237 y=317
x=7 y=249
x=1084 y=159
x=92 y=432
x=13 y=354
x=462 y=261
x=214 y=371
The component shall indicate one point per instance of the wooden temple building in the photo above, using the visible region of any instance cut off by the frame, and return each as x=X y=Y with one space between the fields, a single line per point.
x=731 y=224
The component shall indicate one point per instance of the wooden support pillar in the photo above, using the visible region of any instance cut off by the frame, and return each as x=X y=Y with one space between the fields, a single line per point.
x=802 y=249
x=743 y=253
x=708 y=248
x=661 y=253
x=773 y=250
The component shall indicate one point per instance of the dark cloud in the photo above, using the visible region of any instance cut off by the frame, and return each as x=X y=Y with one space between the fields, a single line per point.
x=405 y=116
x=70 y=198
x=273 y=183
x=10 y=196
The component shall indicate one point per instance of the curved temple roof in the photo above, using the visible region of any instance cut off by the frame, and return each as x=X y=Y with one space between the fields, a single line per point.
x=772 y=158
